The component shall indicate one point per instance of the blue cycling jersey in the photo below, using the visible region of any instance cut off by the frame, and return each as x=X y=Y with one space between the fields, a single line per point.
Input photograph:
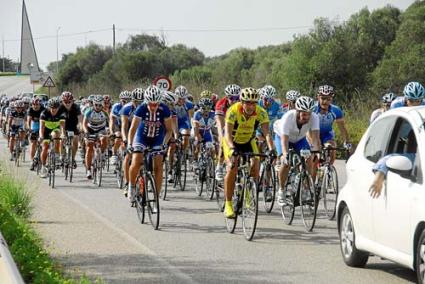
x=327 y=119
x=151 y=123
x=275 y=111
x=182 y=113
x=128 y=110
x=401 y=102
x=116 y=109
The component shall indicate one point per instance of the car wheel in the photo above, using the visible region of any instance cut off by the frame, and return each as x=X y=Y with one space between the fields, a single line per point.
x=420 y=258
x=351 y=255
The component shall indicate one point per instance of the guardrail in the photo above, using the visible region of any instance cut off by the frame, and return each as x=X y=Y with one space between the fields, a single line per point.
x=9 y=273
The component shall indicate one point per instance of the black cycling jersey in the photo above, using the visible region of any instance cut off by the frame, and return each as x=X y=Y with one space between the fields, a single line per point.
x=35 y=114
x=71 y=116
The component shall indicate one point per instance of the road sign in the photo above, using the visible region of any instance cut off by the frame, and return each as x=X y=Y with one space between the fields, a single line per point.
x=49 y=83
x=163 y=83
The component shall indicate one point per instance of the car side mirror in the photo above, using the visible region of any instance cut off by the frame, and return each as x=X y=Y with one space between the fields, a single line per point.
x=400 y=165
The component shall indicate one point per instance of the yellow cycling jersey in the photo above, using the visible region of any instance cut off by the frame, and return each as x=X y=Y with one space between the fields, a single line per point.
x=244 y=129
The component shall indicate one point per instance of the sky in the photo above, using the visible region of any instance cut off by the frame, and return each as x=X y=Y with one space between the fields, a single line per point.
x=214 y=27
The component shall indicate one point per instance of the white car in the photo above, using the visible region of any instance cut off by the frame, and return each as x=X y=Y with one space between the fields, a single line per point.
x=391 y=226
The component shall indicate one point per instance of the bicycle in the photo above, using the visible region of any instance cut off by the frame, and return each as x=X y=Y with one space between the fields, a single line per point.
x=327 y=180
x=118 y=171
x=267 y=183
x=19 y=149
x=68 y=162
x=146 y=193
x=51 y=164
x=204 y=176
x=98 y=161
x=180 y=167
x=300 y=191
x=37 y=158
x=245 y=197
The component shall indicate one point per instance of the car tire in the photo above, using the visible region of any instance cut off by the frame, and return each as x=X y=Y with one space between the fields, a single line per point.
x=420 y=258
x=351 y=255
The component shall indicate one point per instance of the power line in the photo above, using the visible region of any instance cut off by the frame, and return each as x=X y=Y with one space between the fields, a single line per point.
x=62 y=35
x=217 y=29
x=167 y=30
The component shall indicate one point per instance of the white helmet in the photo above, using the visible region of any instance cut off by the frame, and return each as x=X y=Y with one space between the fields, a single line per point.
x=292 y=95
x=181 y=91
x=268 y=91
x=169 y=97
x=232 y=90
x=388 y=98
x=153 y=94
x=304 y=103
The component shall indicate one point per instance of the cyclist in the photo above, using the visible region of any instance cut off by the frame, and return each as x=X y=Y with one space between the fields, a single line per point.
x=203 y=121
x=242 y=119
x=184 y=112
x=94 y=122
x=126 y=114
x=386 y=101
x=291 y=132
x=107 y=104
x=16 y=122
x=115 y=121
x=151 y=128
x=414 y=94
x=291 y=98
x=33 y=124
x=274 y=110
x=170 y=100
x=232 y=93
x=74 y=119
x=328 y=114
x=52 y=126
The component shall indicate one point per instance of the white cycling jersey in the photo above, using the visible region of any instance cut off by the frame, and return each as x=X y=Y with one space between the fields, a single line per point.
x=375 y=114
x=287 y=125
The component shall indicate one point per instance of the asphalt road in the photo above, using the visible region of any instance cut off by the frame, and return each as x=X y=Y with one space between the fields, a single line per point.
x=94 y=231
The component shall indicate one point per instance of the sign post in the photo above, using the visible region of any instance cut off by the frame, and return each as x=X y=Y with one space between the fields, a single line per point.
x=163 y=83
x=49 y=83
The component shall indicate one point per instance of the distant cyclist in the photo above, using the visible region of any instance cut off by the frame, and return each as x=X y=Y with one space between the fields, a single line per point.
x=291 y=98
x=328 y=114
x=232 y=93
x=33 y=124
x=414 y=94
x=151 y=128
x=386 y=101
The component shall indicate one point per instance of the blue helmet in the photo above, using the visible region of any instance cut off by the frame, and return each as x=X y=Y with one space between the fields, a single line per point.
x=414 y=91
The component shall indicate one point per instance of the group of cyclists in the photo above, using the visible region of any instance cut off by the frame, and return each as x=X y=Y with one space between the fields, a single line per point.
x=244 y=120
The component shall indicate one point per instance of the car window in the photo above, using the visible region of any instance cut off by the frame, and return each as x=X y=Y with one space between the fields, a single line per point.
x=378 y=138
x=401 y=143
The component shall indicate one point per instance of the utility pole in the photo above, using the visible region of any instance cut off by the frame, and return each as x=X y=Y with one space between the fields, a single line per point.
x=113 y=38
x=2 y=43
x=57 y=50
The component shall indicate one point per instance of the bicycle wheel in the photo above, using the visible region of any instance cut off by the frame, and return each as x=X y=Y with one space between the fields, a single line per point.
x=163 y=193
x=184 y=171
x=177 y=170
x=237 y=204
x=94 y=171
x=268 y=187
x=219 y=194
x=71 y=166
x=330 y=191
x=99 y=172
x=119 y=174
x=152 y=201
x=307 y=200
x=53 y=168
x=210 y=179
x=17 y=153
x=199 y=179
x=250 y=209
x=288 y=208
x=140 y=199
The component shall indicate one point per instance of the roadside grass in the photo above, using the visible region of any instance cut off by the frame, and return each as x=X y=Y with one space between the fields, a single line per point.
x=7 y=74
x=26 y=247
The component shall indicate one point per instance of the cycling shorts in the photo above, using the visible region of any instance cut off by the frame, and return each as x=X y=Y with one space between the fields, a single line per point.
x=250 y=147
x=326 y=137
x=297 y=146
x=140 y=143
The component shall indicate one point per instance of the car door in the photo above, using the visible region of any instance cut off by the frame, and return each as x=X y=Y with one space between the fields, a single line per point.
x=392 y=210
x=359 y=169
